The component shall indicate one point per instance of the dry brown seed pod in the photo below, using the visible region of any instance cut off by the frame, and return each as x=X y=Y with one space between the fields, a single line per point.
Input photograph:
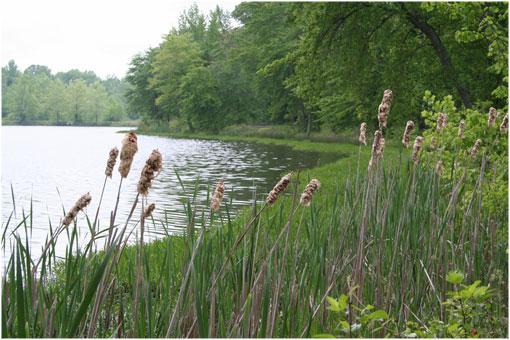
x=362 y=133
x=82 y=202
x=492 y=117
x=151 y=169
x=441 y=121
x=504 y=124
x=217 y=196
x=149 y=210
x=407 y=133
x=475 y=148
x=127 y=153
x=112 y=159
x=417 y=147
x=278 y=189
x=306 y=196
x=384 y=108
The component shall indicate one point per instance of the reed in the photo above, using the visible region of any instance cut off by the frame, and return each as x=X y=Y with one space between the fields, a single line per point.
x=393 y=231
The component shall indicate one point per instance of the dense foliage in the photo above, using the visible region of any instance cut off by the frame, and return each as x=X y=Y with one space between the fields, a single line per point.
x=320 y=65
x=36 y=96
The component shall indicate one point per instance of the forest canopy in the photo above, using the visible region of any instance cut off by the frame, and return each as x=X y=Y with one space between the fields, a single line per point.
x=319 y=65
x=36 y=96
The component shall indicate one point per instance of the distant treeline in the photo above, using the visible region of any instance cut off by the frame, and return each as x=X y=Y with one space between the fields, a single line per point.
x=36 y=96
x=320 y=65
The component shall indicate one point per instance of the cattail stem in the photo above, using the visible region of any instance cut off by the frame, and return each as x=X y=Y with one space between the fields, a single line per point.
x=99 y=206
x=139 y=273
x=114 y=215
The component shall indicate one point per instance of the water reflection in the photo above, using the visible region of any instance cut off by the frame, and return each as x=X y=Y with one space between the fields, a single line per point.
x=50 y=167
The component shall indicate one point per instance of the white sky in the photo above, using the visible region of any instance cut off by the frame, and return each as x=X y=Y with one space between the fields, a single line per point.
x=95 y=35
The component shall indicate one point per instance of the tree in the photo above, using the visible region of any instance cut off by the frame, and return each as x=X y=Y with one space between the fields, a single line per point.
x=141 y=97
x=176 y=56
x=21 y=100
x=76 y=98
x=9 y=74
x=200 y=102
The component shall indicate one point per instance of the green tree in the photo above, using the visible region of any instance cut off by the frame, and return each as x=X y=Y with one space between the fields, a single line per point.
x=76 y=98
x=9 y=74
x=21 y=100
x=176 y=56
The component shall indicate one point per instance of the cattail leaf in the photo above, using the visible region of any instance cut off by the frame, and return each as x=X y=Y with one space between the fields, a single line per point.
x=20 y=297
x=89 y=293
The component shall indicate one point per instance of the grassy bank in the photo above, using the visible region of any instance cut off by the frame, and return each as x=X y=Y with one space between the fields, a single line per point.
x=386 y=238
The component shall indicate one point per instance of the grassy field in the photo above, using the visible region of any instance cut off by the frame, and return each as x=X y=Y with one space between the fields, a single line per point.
x=395 y=251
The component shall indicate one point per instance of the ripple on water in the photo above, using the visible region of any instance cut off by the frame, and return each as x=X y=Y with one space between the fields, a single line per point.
x=50 y=167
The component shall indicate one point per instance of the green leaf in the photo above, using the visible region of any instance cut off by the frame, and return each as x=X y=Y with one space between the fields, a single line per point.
x=323 y=335
x=89 y=294
x=455 y=277
x=333 y=304
x=377 y=315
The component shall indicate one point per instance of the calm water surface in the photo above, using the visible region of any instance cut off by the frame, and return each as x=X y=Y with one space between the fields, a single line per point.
x=51 y=167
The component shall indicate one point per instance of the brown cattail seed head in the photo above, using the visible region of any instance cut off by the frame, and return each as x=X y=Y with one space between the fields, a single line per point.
x=407 y=133
x=504 y=124
x=148 y=211
x=476 y=147
x=217 y=196
x=362 y=133
x=492 y=117
x=306 y=196
x=384 y=108
x=127 y=153
x=377 y=148
x=441 y=121
x=151 y=169
x=78 y=206
x=111 y=162
x=439 y=168
x=462 y=126
x=278 y=189
x=416 y=148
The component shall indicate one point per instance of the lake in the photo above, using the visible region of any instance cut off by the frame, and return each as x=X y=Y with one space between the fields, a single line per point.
x=51 y=167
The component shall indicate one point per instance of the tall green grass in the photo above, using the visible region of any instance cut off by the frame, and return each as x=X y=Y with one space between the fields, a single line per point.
x=267 y=272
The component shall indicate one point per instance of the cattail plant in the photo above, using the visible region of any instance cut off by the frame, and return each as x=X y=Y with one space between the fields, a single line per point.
x=417 y=147
x=462 y=125
x=475 y=148
x=149 y=210
x=504 y=124
x=127 y=153
x=441 y=121
x=151 y=169
x=376 y=149
x=306 y=196
x=384 y=108
x=217 y=196
x=362 y=133
x=278 y=189
x=492 y=117
x=407 y=133
x=112 y=159
x=380 y=149
x=82 y=202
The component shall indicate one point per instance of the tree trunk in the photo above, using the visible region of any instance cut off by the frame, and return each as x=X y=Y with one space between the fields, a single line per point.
x=442 y=54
